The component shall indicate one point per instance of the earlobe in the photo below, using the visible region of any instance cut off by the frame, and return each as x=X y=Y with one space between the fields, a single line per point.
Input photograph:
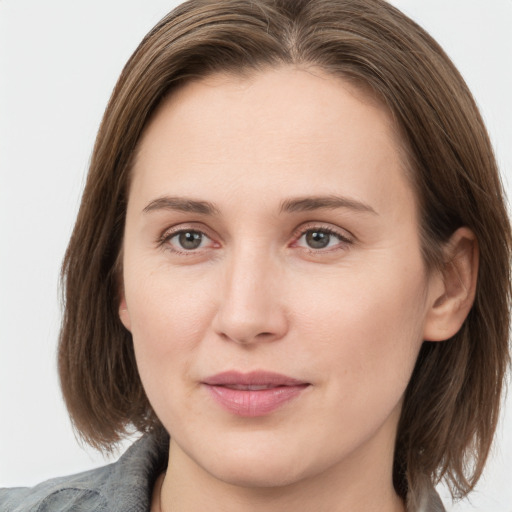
x=124 y=314
x=452 y=290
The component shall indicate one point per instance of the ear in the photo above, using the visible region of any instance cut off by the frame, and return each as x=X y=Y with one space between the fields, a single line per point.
x=452 y=289
x=124 y=314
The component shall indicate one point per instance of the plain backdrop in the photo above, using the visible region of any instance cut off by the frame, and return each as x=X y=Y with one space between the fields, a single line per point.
x=59 y=61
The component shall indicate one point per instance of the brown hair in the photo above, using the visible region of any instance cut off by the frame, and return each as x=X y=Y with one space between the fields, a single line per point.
x=451 y=405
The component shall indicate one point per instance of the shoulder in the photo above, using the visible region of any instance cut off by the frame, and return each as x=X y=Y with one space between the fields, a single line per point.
x=125 y=485
x=77 y=492
x=428 y=500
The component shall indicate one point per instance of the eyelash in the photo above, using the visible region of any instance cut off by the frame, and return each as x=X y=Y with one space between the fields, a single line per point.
x=344 y=241
x=165 y=240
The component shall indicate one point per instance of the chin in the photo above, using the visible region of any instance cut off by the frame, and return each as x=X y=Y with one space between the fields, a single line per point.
x=261 y=465
x=265 y=475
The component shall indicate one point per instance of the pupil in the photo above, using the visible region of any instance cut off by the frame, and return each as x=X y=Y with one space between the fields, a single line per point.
x=190 y=239
x=317 y=239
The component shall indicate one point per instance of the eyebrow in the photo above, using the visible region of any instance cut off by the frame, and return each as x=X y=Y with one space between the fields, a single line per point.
x=182 y=205
x=305 y=204
x=301 y=204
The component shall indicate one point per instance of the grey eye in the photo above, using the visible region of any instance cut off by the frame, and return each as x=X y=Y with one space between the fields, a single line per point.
x=317 y=239
x=189 y=240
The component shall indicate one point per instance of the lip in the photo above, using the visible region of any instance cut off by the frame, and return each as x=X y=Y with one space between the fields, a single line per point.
x=253 y=394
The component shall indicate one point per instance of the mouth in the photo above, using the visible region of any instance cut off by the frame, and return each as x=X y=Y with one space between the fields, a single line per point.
x=253 y=394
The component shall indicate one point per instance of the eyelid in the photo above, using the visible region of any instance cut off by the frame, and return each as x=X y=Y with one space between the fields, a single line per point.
x=170 y=232
x=344 y=236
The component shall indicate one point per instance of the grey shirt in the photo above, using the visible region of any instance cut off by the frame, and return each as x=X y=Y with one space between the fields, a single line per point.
x=124 y=486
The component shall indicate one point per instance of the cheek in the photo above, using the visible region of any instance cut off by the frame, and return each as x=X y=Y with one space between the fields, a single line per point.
x=169 y=315
x=366 y=332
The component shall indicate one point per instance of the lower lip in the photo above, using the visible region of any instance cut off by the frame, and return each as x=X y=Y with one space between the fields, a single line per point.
x=249 y=403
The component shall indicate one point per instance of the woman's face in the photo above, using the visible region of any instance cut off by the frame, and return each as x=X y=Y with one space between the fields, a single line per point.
x=273 y=278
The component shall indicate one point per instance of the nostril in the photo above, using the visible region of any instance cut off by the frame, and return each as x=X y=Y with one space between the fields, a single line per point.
x=248 y=339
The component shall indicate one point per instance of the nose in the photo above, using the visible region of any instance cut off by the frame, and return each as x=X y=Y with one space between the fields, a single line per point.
x=251 y=308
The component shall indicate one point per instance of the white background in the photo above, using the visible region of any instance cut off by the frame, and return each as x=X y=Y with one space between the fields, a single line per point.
x=59 y=61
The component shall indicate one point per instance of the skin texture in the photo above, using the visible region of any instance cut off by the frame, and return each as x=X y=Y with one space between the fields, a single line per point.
x=348 y=319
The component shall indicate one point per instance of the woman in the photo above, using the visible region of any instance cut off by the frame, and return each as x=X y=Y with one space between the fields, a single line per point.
x=292 y=256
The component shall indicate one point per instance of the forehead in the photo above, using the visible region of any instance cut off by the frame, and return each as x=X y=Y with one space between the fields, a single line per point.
x=299 y=128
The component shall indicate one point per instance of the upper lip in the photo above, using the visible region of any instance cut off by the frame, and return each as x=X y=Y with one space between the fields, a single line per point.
x=254 y=378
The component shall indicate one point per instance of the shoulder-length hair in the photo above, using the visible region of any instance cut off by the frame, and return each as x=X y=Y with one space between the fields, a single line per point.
x=451 y=405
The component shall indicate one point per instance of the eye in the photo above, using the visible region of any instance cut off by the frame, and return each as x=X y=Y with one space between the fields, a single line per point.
x=186 y=240
x=320 y=238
